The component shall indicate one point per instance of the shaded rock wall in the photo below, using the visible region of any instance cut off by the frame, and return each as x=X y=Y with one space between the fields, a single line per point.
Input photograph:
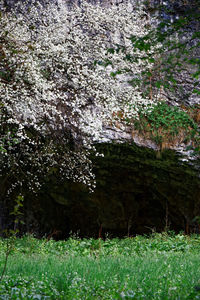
x=137 y=191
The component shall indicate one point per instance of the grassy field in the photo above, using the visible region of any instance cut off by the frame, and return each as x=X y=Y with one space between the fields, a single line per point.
x=161 y=266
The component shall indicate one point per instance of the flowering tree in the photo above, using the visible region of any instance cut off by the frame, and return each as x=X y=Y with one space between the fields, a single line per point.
x=55 y=93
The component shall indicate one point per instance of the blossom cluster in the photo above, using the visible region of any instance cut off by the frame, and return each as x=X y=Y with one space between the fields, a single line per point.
x=56 y=89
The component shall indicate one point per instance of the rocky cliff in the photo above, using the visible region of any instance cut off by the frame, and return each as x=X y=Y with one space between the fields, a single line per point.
x=142 y=184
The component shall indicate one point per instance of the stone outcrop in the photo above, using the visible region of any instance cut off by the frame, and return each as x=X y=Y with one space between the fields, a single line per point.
x=139 y=187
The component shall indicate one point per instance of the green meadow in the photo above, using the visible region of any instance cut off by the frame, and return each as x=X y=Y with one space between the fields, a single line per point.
x=160 y=266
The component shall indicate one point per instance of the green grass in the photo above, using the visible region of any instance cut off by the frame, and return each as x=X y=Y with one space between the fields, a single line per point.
x=156 y=267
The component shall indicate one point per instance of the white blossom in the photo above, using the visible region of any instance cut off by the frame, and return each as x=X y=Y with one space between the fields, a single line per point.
x=52 y=92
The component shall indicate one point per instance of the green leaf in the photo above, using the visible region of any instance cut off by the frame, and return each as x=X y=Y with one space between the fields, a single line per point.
x=196 y=91
x=158 y=84
x=196 y=74
x=112 y=74
x=111 y=50
x=151 y=60
x=196 y=35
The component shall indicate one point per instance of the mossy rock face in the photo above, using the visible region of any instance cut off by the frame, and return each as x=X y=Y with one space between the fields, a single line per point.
x=136 y=192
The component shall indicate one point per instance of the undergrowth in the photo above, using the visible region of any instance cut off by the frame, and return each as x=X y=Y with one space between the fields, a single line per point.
x=167 y=124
